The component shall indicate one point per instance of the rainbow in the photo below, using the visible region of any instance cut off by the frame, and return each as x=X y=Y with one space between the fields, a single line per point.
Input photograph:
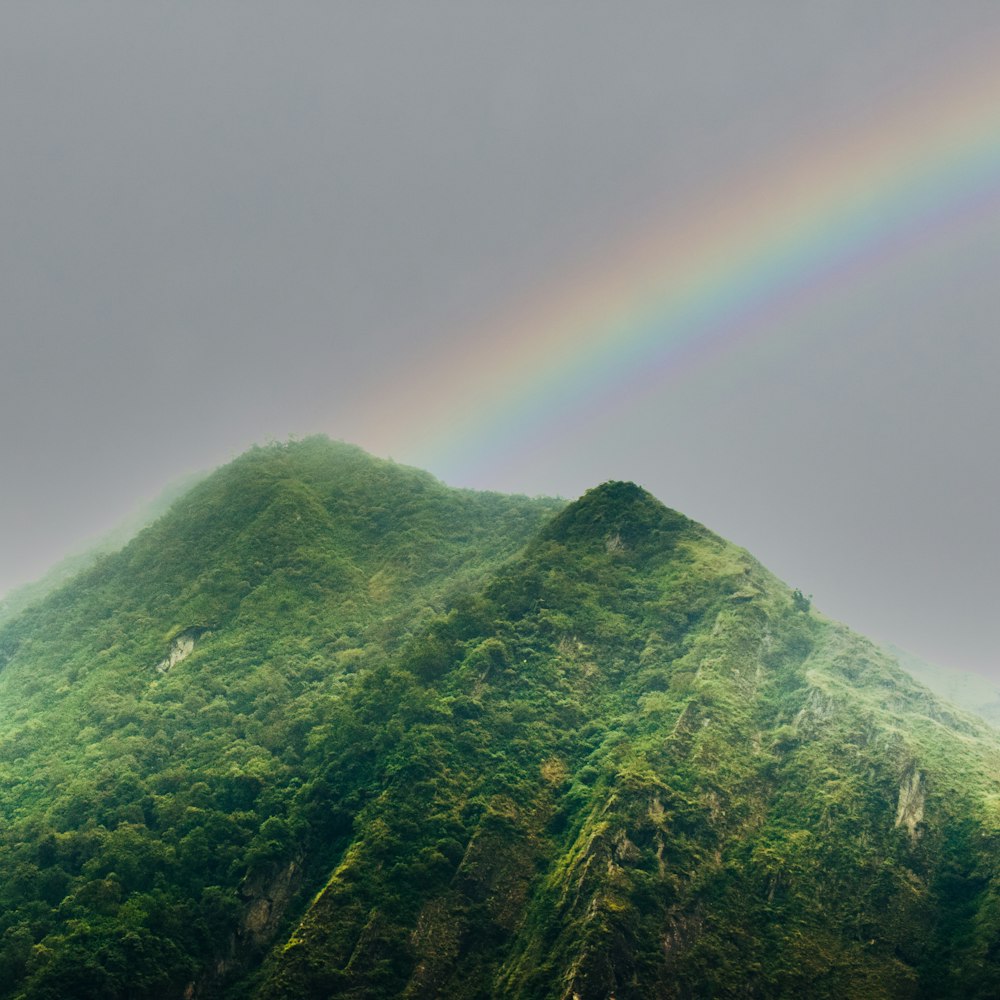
x=808 y=226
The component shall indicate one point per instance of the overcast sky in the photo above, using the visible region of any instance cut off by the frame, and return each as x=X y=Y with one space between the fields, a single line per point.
x=225 y=223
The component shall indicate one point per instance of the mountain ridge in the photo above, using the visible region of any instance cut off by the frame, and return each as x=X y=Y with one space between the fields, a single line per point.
x=428 y=742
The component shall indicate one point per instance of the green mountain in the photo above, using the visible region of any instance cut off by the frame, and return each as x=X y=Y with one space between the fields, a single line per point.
x=331 y=729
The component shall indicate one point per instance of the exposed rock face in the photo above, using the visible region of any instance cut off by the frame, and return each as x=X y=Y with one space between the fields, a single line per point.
x=912 y=797
x=267 y=899
x=181 y=648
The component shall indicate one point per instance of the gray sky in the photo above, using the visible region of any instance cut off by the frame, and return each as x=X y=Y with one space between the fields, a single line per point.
x=229 y=222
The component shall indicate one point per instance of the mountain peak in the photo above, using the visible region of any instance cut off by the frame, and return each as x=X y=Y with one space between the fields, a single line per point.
x=620 y=492
x=617 y=513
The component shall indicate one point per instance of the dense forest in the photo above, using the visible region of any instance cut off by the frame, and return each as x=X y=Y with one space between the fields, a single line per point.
x=329 y=728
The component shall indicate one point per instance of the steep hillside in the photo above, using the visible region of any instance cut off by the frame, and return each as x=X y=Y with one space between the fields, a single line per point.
x=331 y=729
x=636 y=766
x=155 y=714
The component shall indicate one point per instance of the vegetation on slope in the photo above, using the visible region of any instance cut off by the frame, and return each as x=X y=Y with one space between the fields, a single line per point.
x=634 y=766
x=155 y=825
x=420 y=742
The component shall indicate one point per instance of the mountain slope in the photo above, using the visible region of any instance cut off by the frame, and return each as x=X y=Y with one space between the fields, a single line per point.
x=333 y=729
x=640 y=769
x=141 y=800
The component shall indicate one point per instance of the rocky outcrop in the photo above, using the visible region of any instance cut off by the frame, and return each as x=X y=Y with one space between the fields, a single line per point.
x=912 y=798
x=181 y=647
x=267 y=899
